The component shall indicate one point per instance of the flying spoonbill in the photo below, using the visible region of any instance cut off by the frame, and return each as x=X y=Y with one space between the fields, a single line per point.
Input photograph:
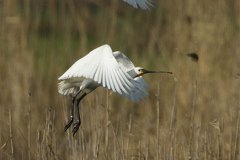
x=102 y=67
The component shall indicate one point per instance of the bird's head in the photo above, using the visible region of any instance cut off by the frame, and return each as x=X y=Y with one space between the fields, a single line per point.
x=141 y=71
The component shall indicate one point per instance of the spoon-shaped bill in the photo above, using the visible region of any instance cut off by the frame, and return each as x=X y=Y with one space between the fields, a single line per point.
x=149 y=71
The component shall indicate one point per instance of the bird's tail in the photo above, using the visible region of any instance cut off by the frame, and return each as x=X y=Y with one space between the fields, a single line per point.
x=66 y=88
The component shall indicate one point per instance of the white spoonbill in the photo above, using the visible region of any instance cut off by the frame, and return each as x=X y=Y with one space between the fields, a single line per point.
x=102 y=67
x=143 y=4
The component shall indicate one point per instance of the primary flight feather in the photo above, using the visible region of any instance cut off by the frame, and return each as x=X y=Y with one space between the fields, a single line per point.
x=143 y=4
x=102 y=67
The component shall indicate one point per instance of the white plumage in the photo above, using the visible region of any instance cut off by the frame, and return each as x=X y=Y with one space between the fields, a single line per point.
x=143 y=4
x=102 y=67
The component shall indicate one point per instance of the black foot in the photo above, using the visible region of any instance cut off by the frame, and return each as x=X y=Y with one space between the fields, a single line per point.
x=76 y=127
x=70 y=121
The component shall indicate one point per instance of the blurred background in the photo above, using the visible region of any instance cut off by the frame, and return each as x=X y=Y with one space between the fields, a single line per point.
x=191 y=115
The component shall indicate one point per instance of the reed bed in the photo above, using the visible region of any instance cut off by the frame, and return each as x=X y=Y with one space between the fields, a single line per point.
x=193 y=115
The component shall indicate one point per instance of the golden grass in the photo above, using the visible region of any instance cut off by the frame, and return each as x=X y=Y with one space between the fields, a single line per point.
x=192 y=116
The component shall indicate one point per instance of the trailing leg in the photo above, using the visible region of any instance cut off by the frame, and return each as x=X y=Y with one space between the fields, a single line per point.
x=70 y=120
x=77 y=124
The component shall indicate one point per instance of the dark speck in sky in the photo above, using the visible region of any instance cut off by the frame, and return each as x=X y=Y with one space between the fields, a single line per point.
x=194 y=56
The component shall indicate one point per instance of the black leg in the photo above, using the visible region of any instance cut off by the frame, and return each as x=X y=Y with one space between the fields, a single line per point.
x=77 y=124
x=70 y=121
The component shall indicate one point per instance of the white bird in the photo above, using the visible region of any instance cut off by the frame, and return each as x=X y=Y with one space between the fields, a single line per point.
x=102 y=67
x=143 y=4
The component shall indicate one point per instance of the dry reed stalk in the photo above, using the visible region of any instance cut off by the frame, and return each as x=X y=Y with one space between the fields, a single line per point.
x=49 y=137
x=39 y=144
x=107 y=121
x=115 y=149
x=29 y=127
x=4 y=145
x=83 y=145
x=95 y=115
x=205 y=145
x=158 y=120
x=11 y=134
x=139 y=150
x=192 y=127
x=236 y=145
x=129 y=134
x=173 y=122
x=147 y=154
x=231 y=138
x=220 y=140
x=117 y=145
x=121 y=137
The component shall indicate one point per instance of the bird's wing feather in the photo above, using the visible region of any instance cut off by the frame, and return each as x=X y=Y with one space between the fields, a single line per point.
x=124 y=62
x=142 y=88
x=101 y=66
x=143 y=4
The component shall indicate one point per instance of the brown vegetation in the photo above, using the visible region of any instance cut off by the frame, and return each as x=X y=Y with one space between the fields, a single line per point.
x=192 y=116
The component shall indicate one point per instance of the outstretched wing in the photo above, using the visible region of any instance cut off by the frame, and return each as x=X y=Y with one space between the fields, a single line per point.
x=101 y=66
x=143 y=4
x=126 y=64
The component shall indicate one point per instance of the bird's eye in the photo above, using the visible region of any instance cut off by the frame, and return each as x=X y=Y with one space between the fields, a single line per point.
x=139 y=70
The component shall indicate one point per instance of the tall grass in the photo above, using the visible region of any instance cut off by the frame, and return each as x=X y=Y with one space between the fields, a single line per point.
x=192 y=115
